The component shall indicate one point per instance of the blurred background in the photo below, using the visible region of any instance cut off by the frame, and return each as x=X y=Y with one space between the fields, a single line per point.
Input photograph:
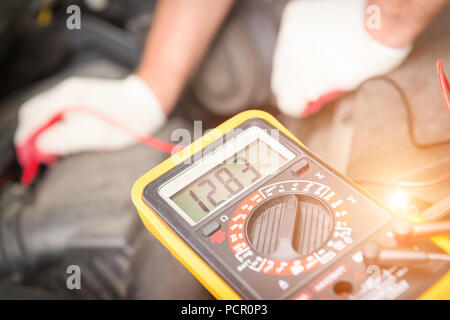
x=80 y=211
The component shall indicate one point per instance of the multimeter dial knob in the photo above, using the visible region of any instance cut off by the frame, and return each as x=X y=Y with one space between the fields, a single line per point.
x=289 y=226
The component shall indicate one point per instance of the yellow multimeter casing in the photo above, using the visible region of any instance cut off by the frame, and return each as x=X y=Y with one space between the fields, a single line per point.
x=185 y=254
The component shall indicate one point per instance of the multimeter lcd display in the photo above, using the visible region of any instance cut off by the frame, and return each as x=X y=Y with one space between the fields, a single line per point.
x=218 y=177
x=228 y=178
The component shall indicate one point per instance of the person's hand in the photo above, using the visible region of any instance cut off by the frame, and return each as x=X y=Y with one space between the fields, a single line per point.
x=130 y=102
x=323 y=50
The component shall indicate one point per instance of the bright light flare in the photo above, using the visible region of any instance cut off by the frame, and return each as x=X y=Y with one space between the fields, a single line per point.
x=399 y=202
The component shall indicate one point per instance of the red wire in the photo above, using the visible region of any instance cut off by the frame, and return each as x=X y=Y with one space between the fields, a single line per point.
x=30 y=157
x=443 y=83
x=142 y=138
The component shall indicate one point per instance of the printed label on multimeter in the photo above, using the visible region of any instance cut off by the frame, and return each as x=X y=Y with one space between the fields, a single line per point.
x=273 y=221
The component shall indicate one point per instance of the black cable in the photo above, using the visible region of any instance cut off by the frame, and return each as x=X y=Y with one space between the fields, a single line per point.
x=410 y=124
x=410 y=120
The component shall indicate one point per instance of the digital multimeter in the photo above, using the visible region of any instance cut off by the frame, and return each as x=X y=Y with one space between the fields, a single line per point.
x=253 y=214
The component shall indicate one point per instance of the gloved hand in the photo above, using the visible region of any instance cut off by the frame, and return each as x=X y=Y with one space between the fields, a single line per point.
x=129 y=101
x=323 y=50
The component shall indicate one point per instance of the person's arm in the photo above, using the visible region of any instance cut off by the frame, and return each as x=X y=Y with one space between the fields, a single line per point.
x=181 y=33
x=403 y=20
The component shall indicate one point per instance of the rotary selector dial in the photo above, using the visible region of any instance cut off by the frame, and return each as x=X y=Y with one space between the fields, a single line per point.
x=289 y=226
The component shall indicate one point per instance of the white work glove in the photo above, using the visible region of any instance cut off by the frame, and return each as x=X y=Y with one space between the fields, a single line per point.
x=323 y=49
x=129 y=101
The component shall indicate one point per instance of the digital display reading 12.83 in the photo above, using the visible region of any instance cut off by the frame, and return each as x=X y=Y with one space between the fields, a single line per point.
x=227 y=179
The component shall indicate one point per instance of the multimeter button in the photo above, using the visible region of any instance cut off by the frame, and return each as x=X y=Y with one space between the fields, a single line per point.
x=211 y=228
x=300 y=166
